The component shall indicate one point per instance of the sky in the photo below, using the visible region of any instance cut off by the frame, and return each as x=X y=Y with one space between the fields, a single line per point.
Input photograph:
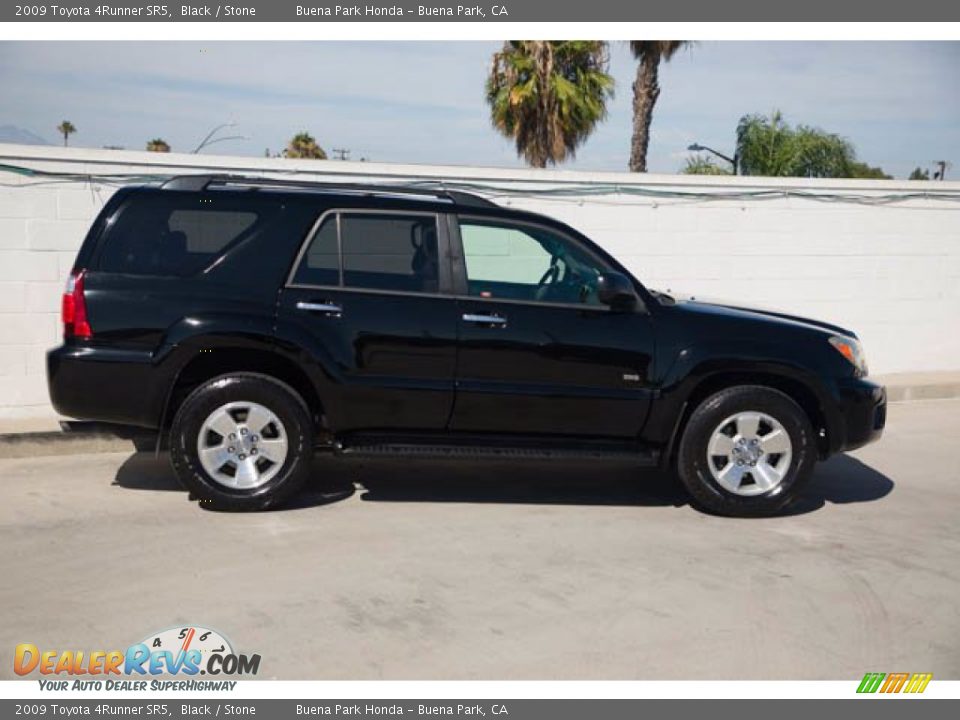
x=423 y=102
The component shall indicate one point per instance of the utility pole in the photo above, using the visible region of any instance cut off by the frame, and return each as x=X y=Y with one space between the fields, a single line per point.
x=341 y=153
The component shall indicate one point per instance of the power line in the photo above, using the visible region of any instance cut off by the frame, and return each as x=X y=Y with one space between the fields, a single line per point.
x=570 y=191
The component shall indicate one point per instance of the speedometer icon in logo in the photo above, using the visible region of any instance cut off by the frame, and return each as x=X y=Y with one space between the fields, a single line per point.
x=181 y=640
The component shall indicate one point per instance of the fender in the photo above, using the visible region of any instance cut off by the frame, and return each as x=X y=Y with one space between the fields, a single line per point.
x=198 y=334
x=694 y=365
x=193 y=336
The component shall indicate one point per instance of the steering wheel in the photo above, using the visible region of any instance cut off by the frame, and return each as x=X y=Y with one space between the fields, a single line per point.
x=551 y=275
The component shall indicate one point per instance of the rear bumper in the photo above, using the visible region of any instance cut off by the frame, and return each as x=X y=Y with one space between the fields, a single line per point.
x=105 y=385
x=862 y=407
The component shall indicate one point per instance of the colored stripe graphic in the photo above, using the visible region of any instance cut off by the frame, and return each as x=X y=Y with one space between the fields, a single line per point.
x=914 y=683
x=918 y=682
x=894 y=682
x=871 y=682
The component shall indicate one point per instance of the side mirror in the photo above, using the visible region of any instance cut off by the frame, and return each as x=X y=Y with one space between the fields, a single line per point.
x=616 y=290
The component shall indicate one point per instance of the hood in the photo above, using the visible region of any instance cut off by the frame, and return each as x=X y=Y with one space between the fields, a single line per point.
x=735 y=311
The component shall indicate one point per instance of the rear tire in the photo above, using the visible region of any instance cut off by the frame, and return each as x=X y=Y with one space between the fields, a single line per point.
x=242 y=441
x=746 y=451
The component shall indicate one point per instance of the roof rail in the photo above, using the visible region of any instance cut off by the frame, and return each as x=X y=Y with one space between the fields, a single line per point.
x=197 y=183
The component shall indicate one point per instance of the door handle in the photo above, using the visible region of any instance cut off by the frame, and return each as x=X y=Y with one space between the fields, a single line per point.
x=496 y=320
x=327 y=308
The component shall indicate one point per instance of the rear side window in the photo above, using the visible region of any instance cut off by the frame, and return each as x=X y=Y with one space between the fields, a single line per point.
x=376 y=251
x=173 y=235
x=321 y=263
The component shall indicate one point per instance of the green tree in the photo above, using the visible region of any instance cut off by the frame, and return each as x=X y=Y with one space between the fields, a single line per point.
x=158 y=145
x=703 y=165
x=862 y=170
x=303 y=145
x=920 y=174
x=646 y=90
x=66 y=128
x=547 y=96
x=767 y=145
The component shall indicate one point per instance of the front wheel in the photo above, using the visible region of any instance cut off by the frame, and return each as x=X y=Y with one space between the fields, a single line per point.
x=242 y=442
x=747 y=451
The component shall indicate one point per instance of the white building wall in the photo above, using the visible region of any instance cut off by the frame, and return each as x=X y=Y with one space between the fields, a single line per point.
x=891 y=272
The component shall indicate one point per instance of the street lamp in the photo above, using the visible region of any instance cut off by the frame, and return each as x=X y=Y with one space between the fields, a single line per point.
x=210 y=140
x=697 y=147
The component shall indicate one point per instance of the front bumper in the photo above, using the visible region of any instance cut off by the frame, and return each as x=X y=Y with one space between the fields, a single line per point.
x=862 y=408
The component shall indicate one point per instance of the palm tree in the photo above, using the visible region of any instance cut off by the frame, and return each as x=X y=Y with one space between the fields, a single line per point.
x=66 y=128
x=303 y=145
x=646 y=90
x=158 y=145
x=549 y=95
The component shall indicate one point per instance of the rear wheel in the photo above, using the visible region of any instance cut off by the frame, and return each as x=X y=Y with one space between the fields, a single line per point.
x=242 y=442
x=747 y=451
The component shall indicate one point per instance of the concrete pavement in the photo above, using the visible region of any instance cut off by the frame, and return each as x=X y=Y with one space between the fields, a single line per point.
x=409 y=570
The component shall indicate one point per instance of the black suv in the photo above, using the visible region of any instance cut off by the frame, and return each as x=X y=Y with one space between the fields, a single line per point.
x=255 y=321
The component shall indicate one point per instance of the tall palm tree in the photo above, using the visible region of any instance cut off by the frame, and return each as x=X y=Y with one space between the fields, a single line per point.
x=303 y=145
x=549 y=95
x=158 y=145
x=66 y=128
x=646 y=90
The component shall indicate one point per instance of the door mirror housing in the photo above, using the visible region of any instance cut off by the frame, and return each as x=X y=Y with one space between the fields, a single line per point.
x=616 y=290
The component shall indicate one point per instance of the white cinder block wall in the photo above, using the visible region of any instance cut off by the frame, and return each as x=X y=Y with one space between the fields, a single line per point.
x=891 y=272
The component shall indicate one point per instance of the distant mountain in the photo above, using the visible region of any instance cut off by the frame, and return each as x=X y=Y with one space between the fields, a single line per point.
x=19 y=136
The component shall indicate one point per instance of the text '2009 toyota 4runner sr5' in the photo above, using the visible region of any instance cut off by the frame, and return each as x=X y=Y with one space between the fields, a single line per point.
x=253 y=321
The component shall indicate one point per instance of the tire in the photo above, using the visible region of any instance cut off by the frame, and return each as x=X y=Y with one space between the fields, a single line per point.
x=256 y=437
x=724 y=475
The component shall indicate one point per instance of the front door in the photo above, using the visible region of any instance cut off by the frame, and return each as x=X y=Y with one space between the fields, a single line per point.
x=538 y=352
x=365 y=297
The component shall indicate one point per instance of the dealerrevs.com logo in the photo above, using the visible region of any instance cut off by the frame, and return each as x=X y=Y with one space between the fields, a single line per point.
x=189 y=651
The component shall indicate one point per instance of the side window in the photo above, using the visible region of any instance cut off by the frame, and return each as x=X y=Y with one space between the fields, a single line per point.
x=527 y=262
x=172 y=235
x=321 y=263
x=376 y=251
x=390 y=252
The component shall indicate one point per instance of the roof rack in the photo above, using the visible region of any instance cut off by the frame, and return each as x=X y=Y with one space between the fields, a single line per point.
x=431 y=191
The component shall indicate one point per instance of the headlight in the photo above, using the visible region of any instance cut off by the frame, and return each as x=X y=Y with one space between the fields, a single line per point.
x=852 y=350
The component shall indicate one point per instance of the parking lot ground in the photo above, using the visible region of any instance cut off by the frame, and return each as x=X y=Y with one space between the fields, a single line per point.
x=403 y=570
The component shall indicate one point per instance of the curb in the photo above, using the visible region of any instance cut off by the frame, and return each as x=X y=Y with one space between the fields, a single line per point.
x=79 y=437
x=926 y=391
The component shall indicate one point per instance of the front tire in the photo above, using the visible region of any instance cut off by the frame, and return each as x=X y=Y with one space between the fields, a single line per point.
x=746 y=451
x=242 y=441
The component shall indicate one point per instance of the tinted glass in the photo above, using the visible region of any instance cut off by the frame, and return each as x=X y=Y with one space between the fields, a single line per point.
x=172 y=235
x=520 y=262
x=321 y=263
x=390 y=252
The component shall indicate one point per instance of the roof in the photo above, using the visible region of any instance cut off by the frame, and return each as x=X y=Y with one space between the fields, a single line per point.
x=427 y=190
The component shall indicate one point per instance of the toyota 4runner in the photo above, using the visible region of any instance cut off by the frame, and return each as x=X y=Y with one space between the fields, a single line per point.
x=252 y=322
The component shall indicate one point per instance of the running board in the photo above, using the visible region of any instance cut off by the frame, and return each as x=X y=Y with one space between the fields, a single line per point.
x=383 y=447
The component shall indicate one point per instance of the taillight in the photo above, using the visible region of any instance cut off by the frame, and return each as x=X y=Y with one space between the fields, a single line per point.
x=73 y=309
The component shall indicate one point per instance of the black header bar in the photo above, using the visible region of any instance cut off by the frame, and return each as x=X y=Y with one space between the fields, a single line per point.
x=484 y=11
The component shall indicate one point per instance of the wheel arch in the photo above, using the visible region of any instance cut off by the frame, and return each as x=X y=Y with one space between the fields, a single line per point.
x=793 y=387
x=208 y=363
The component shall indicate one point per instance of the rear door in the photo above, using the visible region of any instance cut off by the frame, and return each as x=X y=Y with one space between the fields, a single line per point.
x=369 y=297
x=538 y=352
